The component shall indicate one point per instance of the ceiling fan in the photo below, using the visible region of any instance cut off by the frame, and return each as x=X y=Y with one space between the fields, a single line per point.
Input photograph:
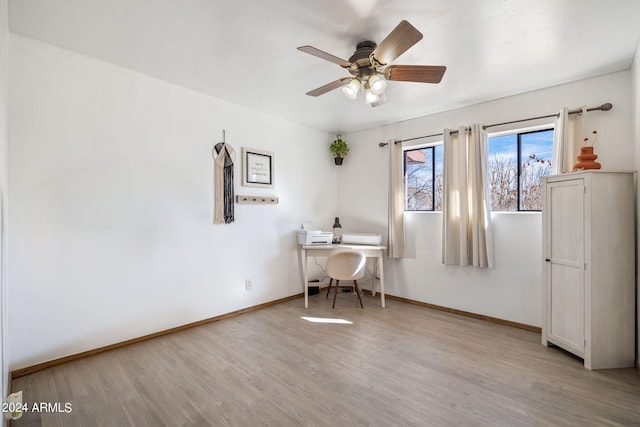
x=369 y=66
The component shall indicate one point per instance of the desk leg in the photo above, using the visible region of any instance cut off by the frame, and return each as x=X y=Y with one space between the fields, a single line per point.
x=304 y=278
x=381 y=272
x=375 y=274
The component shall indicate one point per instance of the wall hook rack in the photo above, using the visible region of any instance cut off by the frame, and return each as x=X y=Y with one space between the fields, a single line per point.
x=262 y=200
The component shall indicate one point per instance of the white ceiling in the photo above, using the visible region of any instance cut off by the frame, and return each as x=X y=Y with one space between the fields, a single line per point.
x=245 y=51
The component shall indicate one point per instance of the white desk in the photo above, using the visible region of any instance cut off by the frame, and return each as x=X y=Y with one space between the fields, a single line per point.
x=369 y=251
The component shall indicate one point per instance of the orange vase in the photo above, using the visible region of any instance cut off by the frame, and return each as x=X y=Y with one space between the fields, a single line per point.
x=586 y=160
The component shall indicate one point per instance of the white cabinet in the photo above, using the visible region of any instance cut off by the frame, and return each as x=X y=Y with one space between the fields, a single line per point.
x=589 y=266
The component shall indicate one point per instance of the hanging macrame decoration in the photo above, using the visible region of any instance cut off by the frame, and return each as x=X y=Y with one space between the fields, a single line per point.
x=223 y=158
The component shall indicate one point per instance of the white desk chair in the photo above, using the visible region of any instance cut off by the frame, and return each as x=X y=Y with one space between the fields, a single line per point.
x=346 y=266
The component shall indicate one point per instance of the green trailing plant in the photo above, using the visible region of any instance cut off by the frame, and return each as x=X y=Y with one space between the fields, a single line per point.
x=339 y=147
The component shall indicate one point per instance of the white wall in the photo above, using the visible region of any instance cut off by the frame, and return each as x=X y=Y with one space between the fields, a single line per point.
x=635 y=77
x=511 y=290
x=111 y=203
x=4 y=62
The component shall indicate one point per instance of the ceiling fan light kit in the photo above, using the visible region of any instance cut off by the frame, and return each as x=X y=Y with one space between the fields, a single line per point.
x=369 y=66
x=376 y=84
x=369 y=96
x=352 y=88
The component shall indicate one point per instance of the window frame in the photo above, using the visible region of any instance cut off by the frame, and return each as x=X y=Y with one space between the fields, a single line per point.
x=429 y=145
x=519 y=132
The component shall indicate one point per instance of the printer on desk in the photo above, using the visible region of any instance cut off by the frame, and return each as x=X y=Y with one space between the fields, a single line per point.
x=314 y=237
x=309 y=235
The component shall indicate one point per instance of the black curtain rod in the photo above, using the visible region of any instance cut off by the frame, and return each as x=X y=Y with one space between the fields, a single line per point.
x=604 y=107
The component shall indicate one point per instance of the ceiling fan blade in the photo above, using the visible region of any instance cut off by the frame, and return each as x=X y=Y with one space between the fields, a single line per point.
x=324 y=55
x=329 y=87
x=415 y=73
x=383 y=100
x=396 y=43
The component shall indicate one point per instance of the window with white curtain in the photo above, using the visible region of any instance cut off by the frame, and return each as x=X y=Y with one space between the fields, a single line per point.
x=518 y=159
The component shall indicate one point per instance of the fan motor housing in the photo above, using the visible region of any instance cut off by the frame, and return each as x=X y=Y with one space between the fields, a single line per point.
x=361 y=59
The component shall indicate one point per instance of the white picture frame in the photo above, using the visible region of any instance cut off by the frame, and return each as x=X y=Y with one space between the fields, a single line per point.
x=257 y=168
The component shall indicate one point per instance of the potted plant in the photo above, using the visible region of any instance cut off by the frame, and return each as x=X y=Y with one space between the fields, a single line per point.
x=339 y=149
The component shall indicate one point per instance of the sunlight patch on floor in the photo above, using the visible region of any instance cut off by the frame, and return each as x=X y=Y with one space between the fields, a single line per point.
x=326 y=320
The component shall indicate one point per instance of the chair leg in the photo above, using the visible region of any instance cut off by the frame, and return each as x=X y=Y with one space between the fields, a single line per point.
x=329 y=288
x=355 y=285
x=335 y=293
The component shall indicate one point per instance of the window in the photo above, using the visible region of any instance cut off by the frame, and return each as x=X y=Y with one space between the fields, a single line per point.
x=423 y=178
x=517 y=162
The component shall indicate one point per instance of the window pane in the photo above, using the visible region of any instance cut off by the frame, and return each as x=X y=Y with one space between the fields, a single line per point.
x=503 y=178
x=418 y=179
x=437 y=198
x=536 y=149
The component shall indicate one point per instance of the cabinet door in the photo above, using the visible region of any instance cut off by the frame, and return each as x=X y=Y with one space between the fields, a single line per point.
x=565 y=265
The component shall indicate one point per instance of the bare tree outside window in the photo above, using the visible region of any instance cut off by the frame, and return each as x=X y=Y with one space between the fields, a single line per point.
x=503 y=172
x=503 y=182
x=423 y=179
x=517 y=163
x=536 y=149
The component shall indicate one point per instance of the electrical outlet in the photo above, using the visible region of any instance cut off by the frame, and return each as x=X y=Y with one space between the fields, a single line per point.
x=247 y=285
x=14 y=405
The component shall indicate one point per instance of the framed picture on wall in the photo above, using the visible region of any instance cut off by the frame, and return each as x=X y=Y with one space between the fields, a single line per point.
x=257 y=168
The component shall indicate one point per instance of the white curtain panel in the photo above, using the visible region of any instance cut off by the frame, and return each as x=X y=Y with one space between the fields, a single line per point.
x=570 y=131
x=467 y=236
x=481 y=253
x=396 y=240
x=563 y=150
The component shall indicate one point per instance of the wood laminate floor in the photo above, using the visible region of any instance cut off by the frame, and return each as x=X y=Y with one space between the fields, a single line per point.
x=401 y=366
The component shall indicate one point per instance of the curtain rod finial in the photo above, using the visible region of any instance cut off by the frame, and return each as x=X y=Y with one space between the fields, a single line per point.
x=606 y=107
x=382 y=144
